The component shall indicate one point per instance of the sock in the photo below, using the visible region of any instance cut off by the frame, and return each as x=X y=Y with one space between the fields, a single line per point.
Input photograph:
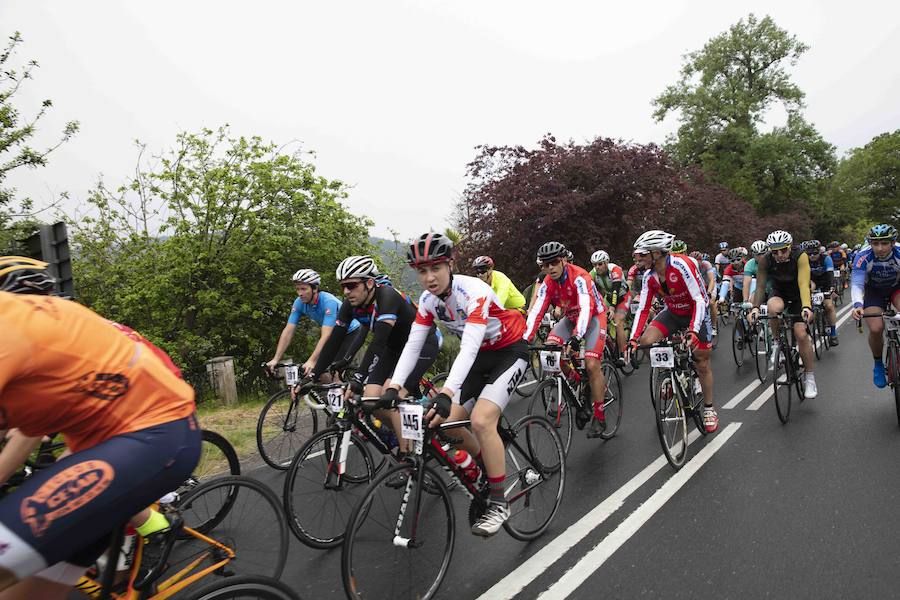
x=833 y=330
x=156 y=523
x=497 y=493
x=598 y=412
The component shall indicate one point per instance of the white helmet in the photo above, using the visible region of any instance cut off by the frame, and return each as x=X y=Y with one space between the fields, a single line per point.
x=307 y=276
x=654 y=239
x=357 y=266
x=600 y=256
x=779 y=239
x=844 y=246
x=758 y=247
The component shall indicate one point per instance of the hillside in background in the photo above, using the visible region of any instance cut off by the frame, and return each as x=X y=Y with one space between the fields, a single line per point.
x=392 y=256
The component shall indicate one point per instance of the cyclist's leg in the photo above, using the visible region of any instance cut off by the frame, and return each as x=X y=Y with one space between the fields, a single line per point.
x=594 y=340
x=874 y=302
x=804 y=341
x=774 y=306
x=702 y=359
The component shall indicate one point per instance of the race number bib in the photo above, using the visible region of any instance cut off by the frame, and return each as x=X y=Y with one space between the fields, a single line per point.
x=411 y=421
x=662 y=357
x=891 y=324
x=336 y=400
x=763 y=310
x=550 y=361
x=291 y=374
x=818 y=298
x=837 y=273
x=634 y=306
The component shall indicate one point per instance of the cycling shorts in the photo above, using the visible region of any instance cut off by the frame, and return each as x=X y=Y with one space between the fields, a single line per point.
x=880 y=296
x=668 y=323
x=383 y=367
x=594 y=337
x=66 y=512
x=494 y=375
x=792 y=303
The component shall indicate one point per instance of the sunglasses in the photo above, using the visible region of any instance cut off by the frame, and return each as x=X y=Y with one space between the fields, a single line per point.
x=482 y=270
x=551 y=263
x=780 y=251
x=349 y=286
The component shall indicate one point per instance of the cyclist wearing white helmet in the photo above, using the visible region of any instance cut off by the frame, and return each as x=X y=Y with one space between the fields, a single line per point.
x=788 y=269
x=677 y=279
x=721 y=260
x=321 y=307
x=610 y=281
x=759 y=249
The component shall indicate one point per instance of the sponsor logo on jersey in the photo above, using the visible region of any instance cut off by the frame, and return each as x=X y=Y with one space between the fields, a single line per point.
x=104 y=386
x=65 y=493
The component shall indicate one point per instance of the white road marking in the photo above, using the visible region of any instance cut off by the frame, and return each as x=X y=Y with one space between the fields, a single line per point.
x=770 y=390
x=592 y=561
x=742 y=394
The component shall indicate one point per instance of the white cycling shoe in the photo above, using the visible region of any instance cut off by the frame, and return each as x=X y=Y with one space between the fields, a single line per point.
x=810 y=390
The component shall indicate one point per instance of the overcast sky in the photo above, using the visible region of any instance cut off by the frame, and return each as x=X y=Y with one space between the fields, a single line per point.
x=393 y=96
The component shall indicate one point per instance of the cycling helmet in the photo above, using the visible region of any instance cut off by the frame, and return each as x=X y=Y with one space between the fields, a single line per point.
x=779 y=239
x=882 y=232
x=23 y=275
x=307 y=276
x=655 y=239
x=813 y=246
x=383 y=279
x=357 y=266
x=758 y=247
x=696 y=255
x=429 y=249
x=483 y=262
x=600 y=256
x=833 y=245
x=735 y=254
x=679 y=246
x=705 y=256
x=551 y=250
x=569 y=256
x=844 y=246
x=723 y=245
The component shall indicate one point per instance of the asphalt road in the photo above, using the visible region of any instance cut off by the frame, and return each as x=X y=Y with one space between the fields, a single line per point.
x=804 y=510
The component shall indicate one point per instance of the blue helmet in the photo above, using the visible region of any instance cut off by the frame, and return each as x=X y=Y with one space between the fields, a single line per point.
x=723 y=245
x=383 y=279
x=882 y=232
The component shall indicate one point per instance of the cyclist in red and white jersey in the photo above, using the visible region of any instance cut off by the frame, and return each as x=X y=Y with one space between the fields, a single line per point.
x=677 y=279
x=584 y=322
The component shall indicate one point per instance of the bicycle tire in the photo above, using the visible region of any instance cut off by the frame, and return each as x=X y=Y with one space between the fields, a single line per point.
x=613 y=402
x=546 y=401
x=761 y=348
x=273 y=549
x=276 y=456
x=359 y=543
x=244 y=587
x=696 y=401
x=739 y=338
x=893 y=373
x=437 y=381
x=815 y=333
x=668 y=409
x=303 y=528
x=782 y=381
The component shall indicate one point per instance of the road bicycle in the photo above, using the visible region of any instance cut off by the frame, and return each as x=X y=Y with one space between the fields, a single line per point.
x=820 y=330
x=787 y=379
x=892 y=352
x=399 y=542
x=533 y=372
x=743 y=336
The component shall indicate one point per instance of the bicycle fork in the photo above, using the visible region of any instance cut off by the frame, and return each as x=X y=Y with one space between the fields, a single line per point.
x=399 y=540
x=337 y=462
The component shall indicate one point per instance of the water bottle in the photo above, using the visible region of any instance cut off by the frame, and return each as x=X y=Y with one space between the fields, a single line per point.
x=683 y=380
x=467 y=464
x=386 y=434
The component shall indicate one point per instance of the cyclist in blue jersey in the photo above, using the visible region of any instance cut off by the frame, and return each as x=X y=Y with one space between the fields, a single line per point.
x=874 y=281
x=321 y=307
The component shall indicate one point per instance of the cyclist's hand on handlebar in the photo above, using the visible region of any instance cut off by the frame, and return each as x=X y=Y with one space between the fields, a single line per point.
x=807 y=314
x=857 y=313
x=389 y=397
x=355 y=385
x=753 y=315
x=693 y=340
x=630 y=348
x=270 y=366
x=439 y=409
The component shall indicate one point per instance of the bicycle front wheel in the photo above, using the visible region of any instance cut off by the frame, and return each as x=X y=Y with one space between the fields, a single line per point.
x=613 y=402
x=739 y=342
x=893 y=373
x=547 y=401
x=671 y=419
x=283 y=425
x=761 y=346
x=378 y=563
x=783 y=383
x=245 y=587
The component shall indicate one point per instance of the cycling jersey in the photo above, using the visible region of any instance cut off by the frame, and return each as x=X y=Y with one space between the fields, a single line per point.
x=471 y=310
x=324 y=311
x=681 y=289
x=134 y=335
x=574 y=292
x=838 y=257
x=872 y=272
x=63 y=368
x=790 y=279
x=721 y=261
x=704 y=268
x=821 y=271
x=732 y=279
x=635 y=278
x=509 y=296
x=611 y=286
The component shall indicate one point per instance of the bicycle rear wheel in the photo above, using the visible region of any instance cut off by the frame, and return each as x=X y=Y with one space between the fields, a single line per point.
x=671 y=419
x=546 y=401
x=376 y=562
x=739 y=342
x=817 y=333
x=283 y=426
x=761 y=347
x=535 y=476
x=613 y=402
x=782 y=381
x=244 y=587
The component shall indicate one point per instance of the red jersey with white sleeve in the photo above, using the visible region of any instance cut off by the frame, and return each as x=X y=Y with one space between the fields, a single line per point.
x=472 y=311
x=574 y=292
x=681 y=289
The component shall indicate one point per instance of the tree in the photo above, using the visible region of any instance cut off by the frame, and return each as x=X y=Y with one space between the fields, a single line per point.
x=197 y=252
x=16 y=131
x=722 y=98
x=870 y=177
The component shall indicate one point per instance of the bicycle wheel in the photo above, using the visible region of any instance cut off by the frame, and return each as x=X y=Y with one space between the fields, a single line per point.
x=535 y=476
x=317 y=508
x=671 y=419
x=782 y=381
x=437 y=382
x=244 y=587
x=546 y=401
x=282 y=428
x=254 y=527
x=893 y=373
x=378 y=563
x=815 y=334
x=532 y=376
x=613 y=402
x=825 y=330
x=761 y=348
x=739 y=342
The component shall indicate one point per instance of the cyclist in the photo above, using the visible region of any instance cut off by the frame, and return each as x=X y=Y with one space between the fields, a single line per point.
x=875 y=282
x=759 y=249
x=321 y=307
x=610 y=282
x=788 y=268
x=821 y=272
x=677 y=279
x=584 y=323
x=491 y=361
x=733 y=278
x=709 y=276
x=126 y=417
x=385 y=312
x=838 y=256
x=722 y=259
x=510 y=297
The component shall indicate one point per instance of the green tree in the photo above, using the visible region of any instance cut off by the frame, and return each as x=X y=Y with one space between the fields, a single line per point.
x=16 y=133
x=197 y=252
x=871 y=176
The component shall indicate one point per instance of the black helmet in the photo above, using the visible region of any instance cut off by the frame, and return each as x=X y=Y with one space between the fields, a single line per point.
x=430 y=248
x=23 y=275
x=551 y=250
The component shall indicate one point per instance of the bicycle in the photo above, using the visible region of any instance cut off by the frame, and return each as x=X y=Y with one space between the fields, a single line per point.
x=892 y=362
x=743 y=335
x=533 y=368
x=762 y=344
x=787 y=376
x=279 y=425
x=399 y=542
x=198 y=553
x=560 y=394
x=821 y=331
x=677 y=396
